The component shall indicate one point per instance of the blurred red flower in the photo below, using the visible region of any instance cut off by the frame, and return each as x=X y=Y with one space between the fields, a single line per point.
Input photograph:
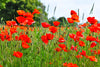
x=1 y=66
x=45 y=24
x=58 y=49
x=94 y=28
x=53 y=29
x=25 y=45
x=63 y=46
x=70 y=20
x=28 y=15
x=98 y=51
x=18 y=54
x=61 y=40
x=75 y=18
x=16 y=38
x=25 y=38
x=36 y=11
x=93 y=44
x=79 y=56
x=44 y=39
x=56 y=23
x=72 y=35
x=20 y=12
x=29 y=21
x=83 y=53
x=79 y=34
x=21 y=20
x=70 y=65
x=49 y=36
x=13 y=30
x=73 y=48
x=72 y=12
x=11 y=23
x=90 y=38
x=92 y=20
x=81 y=43
x=92 y=58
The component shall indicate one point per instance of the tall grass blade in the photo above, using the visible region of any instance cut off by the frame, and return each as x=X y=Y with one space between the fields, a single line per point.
x=48 y=8
x=91 y=11
x=78 y=12
x=83 y=16
x=54 y=10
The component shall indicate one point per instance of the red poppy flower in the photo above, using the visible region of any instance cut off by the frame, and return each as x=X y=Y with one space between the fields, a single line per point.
x=25 y=38
x=90 y=38
x=1 y=66
x=75 y=18
x=13 y=30
x=58 y=49
x=92 y=20
x=74 y=48
x=44 y=39
x=25 y=45
x=70 y=65
x=20 y=12
x=83 y=53
x=2 y=37
x=65 y=50
x=93 y=51
x=16 y=38
x=49 y=36
x=63 y=46
x=53 y=29
x=80 y=26
x=97 y=39
x=84 y=24
x=11 y=23
x=65 y=64
x=36 y=11
x=72 y=12
x=18 y=54
x=45 y=24
x=92 y=58
x=50 y=63
x=29 y=21
x=81 y=43
x=93 y=44
x=79 y=56
x=94 y=28
x=28 y=14
x=79 y=34
x=61 y=40
x=72 y=35
x=56 y=23
x=70 y=20
x=21 y=20
x=98 y=52
x=76 y=38
x=8 y=37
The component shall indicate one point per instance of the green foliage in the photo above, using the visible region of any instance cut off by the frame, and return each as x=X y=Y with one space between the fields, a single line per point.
x=9 y=12
x=2 y=3
x=51 y=20
x=63 y=21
